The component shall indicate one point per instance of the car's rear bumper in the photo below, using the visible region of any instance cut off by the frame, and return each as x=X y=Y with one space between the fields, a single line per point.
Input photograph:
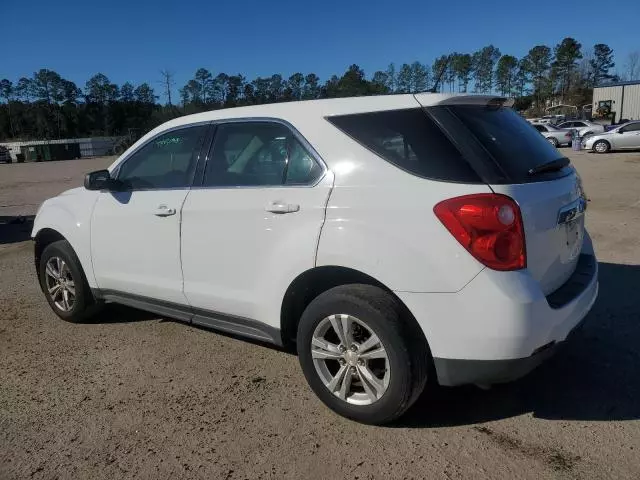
x=453 y=372
x=501 y=325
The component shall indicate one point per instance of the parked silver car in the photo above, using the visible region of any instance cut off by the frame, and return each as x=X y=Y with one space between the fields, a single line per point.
x=624 y=137
x=554 y=135
x=584 y=127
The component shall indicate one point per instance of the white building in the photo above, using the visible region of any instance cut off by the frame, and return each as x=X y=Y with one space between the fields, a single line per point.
x=89 y=147
x=622 y=98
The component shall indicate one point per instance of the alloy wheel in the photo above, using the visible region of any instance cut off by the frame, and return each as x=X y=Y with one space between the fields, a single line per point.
x=350 y=359
x=60 y=284
x=601 y=147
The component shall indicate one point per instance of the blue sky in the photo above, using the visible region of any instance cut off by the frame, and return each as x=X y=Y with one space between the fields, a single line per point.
x=133 y=40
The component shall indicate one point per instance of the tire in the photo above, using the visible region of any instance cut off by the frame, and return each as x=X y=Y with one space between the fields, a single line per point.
x=369 y=310
x=601 y=146
x=81 y=304
x=553 y=141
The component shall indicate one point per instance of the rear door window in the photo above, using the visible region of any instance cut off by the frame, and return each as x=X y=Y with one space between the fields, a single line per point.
x=410 y=140
x=264 y=154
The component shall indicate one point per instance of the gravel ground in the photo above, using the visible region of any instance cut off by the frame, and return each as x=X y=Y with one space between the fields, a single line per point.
x=132 y=395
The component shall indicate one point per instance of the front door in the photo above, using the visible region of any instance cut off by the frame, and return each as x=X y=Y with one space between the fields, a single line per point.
x=254 y=223
x=628 y=136
x=135 y=229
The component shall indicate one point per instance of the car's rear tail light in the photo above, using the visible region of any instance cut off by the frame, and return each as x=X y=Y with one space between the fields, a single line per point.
x=489 y=226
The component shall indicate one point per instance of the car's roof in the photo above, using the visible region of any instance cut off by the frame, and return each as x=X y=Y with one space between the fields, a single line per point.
x=328 y=107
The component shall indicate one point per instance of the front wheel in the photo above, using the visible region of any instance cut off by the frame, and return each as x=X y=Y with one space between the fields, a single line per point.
x=601 y=146
x=361 y=357
x=64 y=284
x=553 y=141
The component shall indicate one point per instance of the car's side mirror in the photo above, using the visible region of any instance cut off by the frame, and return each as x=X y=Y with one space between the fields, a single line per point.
x=98 y=180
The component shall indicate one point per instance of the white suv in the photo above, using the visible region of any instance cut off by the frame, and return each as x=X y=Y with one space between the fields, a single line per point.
x=390 y=239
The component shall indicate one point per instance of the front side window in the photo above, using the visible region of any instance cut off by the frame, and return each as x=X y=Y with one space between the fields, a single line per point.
x=540 y=128
x=259 y=154
x=167 y=161
x=633 y=127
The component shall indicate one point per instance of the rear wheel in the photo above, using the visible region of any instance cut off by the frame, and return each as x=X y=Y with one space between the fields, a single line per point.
x=601 y=146
x=553 y=141
x=64 y=284
x=359 y=355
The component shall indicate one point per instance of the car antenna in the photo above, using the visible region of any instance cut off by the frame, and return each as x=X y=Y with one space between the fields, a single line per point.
x=436 y=84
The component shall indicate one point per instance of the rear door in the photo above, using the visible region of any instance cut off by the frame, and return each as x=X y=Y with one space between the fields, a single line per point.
x=508 y=151
x=253 y=223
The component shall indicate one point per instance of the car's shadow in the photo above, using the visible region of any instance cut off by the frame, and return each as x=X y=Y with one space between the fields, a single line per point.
x=15 y=229
x=595 y=376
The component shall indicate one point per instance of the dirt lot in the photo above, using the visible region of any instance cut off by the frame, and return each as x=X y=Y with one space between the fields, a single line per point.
x=136 y=396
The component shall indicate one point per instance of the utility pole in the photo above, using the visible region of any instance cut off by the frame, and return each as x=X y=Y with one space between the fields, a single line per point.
x=167 y=84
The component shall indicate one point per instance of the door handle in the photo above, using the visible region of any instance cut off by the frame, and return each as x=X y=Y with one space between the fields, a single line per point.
x=277 y=207
x=164 y=211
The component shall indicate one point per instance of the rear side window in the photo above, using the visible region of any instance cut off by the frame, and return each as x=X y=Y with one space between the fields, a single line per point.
x=540 y=128
x=509 y=139
x=410 y=140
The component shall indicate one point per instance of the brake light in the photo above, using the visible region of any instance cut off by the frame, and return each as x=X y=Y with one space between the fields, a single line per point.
x=489 y=226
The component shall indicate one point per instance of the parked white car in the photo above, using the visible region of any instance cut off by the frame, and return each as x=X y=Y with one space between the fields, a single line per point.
x=385 y=237
x=554 y=136
x=624 y=137
x=584 y=127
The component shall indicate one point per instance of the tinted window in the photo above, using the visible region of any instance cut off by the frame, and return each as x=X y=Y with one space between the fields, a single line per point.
x=540 y=128
x=508 y=138
x=167 y=161
x=410 y=140
x=634 y=127
x=258 y=154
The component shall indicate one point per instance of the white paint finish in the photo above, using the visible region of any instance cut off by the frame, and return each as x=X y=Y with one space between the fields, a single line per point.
x=387 y=229
x=237 y=257
x=549 y=257
x=69 y=214
x=133 y=249
x=497 y=316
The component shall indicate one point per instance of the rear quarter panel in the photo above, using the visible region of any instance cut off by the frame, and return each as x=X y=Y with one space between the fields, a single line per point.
x=380 y=221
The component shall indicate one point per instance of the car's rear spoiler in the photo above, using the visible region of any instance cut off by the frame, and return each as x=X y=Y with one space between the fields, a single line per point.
x=429 y=99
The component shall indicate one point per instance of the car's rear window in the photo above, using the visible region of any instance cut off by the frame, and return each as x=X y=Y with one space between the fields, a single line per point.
x=410 y=140
x=514 y=145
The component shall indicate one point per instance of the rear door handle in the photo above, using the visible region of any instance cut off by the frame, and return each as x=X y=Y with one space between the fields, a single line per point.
x=277 y=207
x=164 y=211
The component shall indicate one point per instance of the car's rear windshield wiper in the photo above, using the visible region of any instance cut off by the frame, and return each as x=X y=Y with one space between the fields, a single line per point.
x=552 y=166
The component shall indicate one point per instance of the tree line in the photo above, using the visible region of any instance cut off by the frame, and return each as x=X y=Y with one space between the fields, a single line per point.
x=46 y=105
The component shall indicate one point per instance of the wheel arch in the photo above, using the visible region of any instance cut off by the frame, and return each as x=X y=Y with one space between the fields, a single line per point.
x=43 y=238
x=311 y=283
